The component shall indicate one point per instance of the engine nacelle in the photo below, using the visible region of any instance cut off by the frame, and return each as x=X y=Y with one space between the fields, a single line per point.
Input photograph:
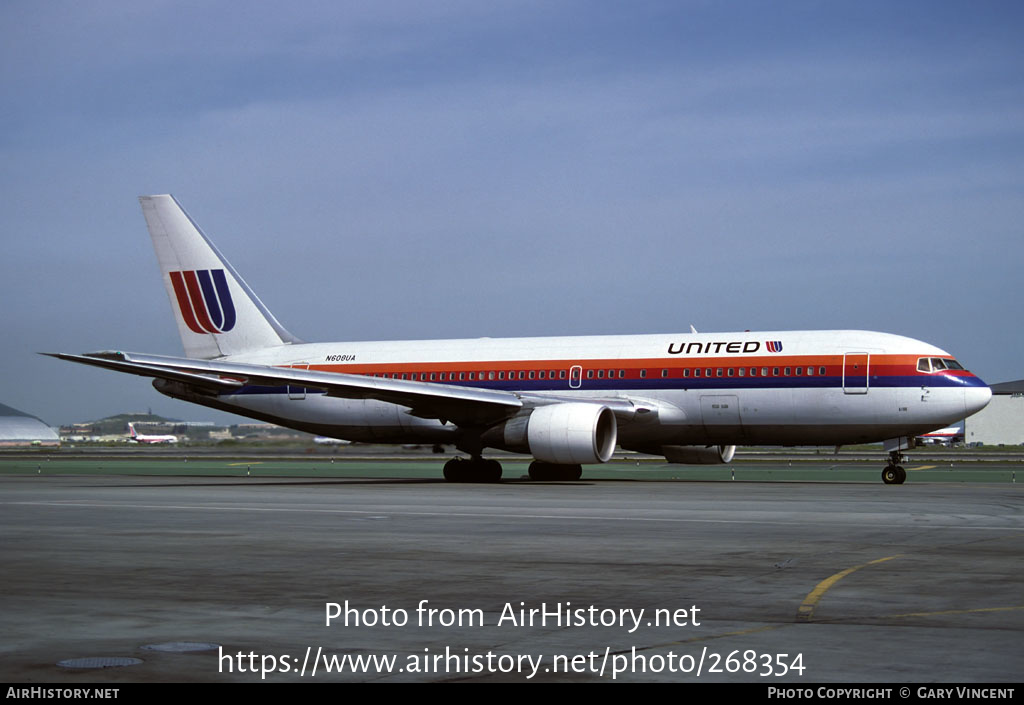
x=563 y=434
x=698 y=455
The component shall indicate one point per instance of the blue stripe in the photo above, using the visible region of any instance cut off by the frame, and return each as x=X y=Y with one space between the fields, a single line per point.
x=224 y=296
x=210 y=298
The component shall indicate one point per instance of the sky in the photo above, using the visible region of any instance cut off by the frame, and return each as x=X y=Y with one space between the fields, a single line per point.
x=410 y=170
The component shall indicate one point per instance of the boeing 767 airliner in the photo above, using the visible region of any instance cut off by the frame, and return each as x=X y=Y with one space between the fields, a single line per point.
x=567 y=402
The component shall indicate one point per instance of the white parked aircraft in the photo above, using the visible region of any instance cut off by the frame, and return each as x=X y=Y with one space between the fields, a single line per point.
x=566 y=401
x=943 y=436
x=137 y=437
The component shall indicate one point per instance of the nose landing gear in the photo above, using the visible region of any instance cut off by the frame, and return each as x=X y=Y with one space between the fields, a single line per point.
x=894 y=474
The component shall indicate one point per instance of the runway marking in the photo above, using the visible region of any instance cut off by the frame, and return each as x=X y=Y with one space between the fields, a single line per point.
x=924 y=467
x=484 y=515
x=230 y=465
x=806 y=611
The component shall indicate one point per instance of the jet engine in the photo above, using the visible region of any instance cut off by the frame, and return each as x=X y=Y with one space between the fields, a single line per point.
x=562 y=434
x=698 y=455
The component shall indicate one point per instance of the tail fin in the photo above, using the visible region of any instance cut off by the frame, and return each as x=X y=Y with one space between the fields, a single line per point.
x=131 y=430
x=217 y=313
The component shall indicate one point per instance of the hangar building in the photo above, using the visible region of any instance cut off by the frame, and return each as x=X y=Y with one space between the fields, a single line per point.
x=20 y=429
x=1002 y=421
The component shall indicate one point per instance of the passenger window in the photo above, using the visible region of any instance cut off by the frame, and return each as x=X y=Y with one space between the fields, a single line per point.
x=643 y=374
x=561 y=374
x=707 y=372
x=540 y=375
x=821 y=371
x=622 y=374
x=590 y=374
x=531 y=374
x=664 y=373
x=686 y=372
x=753 y=372
x=788 y=371
x=696 y=372
x=731 y=372
x=600 y=374
x=799 y=371
x=743 y=371
x=490 y=375
x=718 y=372
x=522 y=374
x=775 y=372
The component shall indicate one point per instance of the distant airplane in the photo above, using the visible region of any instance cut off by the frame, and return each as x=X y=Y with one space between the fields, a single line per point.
x=568 y=401
x=944 y=436
x=133 y=435
x=328 y=441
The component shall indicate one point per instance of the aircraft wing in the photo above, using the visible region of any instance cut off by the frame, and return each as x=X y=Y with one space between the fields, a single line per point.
x=465 y=406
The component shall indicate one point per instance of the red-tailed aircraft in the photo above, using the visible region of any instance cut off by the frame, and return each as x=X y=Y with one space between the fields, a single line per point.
x=566 y=401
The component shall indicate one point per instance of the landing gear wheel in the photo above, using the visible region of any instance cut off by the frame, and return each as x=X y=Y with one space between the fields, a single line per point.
x=550 y=471
x=894 y=474
x=491 y=471
x=475 y=470
x=455 y=470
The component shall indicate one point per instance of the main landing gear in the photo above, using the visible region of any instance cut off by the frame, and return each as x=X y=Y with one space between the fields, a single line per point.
x=894 y=474
x=472 y=470
x=550 y=471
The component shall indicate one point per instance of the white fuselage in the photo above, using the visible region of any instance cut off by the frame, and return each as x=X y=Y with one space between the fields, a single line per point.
x=770 y=388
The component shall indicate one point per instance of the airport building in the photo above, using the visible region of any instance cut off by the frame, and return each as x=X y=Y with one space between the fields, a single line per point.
x=1002 y=421
x=20 y=429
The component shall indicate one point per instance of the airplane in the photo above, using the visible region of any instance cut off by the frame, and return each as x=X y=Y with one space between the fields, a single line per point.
x=328 y=441
x=136 y=437
x=943 y=436
x=565 y=401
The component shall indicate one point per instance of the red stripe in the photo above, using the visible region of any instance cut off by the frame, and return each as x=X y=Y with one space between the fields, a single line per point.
x=184 y=305
x=198 y=304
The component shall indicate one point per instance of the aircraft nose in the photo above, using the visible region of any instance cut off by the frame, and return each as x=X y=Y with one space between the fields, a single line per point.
x=976 y=399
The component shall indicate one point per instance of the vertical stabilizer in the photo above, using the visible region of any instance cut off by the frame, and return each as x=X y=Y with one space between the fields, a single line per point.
x=217 y=313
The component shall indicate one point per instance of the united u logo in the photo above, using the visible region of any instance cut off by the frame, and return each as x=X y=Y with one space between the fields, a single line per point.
x=204 y=300
x=773 y=345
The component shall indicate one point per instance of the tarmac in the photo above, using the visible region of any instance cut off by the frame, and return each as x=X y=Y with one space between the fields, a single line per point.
x=386 y=576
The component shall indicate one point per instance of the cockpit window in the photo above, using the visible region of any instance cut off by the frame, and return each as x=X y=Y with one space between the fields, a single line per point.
x=937 y=364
